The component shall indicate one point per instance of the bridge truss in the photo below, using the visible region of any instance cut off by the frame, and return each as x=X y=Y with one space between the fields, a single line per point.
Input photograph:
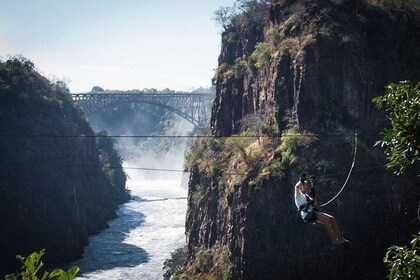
x=195 y=108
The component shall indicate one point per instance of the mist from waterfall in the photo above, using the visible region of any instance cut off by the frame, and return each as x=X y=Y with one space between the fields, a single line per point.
x=152 y=224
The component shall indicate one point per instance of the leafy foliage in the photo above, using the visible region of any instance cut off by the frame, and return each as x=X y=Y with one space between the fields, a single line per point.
x=208 y=155
x=224 y=15
x=410 y=5
x=174 y=265
x=281 y=44
x=326 y=33
x=260 y=58
x=241 y=13
x=203 y=261
x=239 y=145
x=292 y=142
x=261 y=123
x=240 y=67
x=196 y=196
x=97 y=89
x=404 y=262
x=32 y=266
x=212 y=263
x=231 y=159
x=274 y=168
x=251 y=12
x=224 y=71
x=274 y=36
x=402 y=140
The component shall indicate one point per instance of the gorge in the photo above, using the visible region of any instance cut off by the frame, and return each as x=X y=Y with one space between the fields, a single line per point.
x=293 y=93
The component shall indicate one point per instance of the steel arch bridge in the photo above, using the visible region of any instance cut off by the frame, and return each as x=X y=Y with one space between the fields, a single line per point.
x=195 y=108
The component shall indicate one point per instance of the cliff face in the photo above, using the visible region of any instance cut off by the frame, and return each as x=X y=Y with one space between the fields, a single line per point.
x=319 y=54
x=54 y=193
x=314 y=66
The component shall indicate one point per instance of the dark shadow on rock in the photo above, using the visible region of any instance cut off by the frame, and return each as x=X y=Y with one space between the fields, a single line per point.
x=107 y=250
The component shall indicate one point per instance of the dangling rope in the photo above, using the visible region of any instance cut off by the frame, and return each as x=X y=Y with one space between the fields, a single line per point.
x=348 y=176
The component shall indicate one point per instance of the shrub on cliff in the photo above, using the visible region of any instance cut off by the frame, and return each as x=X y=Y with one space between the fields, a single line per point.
x=404 y=262
x=224 y=72
x=260 y=58
x=211 y=263
x=402 y=140
x=243 y=12
x=208 y=154
x=294 y=141
x=411 y=5
x=224 y=15
x=174 y=265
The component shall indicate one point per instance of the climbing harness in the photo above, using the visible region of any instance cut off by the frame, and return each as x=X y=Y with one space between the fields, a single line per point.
x=307 y=211
x=348 y=176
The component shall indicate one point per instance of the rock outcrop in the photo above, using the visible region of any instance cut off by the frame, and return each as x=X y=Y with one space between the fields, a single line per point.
x=314 y=66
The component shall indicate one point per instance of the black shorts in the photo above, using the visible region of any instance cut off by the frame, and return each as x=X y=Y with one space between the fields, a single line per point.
x=309 y=215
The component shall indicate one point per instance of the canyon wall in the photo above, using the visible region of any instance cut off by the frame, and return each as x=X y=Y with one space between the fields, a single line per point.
x=311 y=68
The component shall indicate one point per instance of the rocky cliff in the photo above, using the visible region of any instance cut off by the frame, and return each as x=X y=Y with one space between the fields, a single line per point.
x=55 y=190
x=312 y=68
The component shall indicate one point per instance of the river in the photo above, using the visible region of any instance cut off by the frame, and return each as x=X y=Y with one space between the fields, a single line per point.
x=152 y=224
x=147 y=230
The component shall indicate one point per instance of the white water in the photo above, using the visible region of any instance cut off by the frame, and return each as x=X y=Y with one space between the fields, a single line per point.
x=152 y=224
x=148 y=229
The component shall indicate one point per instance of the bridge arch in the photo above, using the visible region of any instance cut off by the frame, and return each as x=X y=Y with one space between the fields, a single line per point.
x=195 y=108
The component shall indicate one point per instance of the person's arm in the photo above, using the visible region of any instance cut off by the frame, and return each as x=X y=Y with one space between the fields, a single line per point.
x=297 y=194
x=312 y=199
x=312 y=196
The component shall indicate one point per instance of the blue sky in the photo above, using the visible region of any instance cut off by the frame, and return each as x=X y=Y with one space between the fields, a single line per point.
x=115 y=44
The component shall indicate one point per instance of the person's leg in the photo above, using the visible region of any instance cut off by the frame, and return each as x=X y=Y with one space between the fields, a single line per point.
x=322 y=218
x=333 y=223
x=337 y=231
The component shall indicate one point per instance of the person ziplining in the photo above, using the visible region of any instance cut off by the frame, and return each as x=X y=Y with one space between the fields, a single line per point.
x=305 y=201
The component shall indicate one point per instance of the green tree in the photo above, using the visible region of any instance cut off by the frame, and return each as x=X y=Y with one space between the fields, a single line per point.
x=31 y=270
x=402 y=140
x=404 y=262
x=224 y=16
x=260 y=58
x=175 y=263
x=96 y=89
x=255 y=10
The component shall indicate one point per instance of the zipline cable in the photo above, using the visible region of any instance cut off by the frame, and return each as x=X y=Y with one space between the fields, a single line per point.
x=168 y=136
x=160 y=169
x=348 y=175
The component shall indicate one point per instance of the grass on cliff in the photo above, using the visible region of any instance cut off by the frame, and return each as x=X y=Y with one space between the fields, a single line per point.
x=254 y=155
x=208 y=264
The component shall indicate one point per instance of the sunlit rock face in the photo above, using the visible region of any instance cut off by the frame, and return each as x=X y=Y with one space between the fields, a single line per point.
x=320 y=65
x=327 y=63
